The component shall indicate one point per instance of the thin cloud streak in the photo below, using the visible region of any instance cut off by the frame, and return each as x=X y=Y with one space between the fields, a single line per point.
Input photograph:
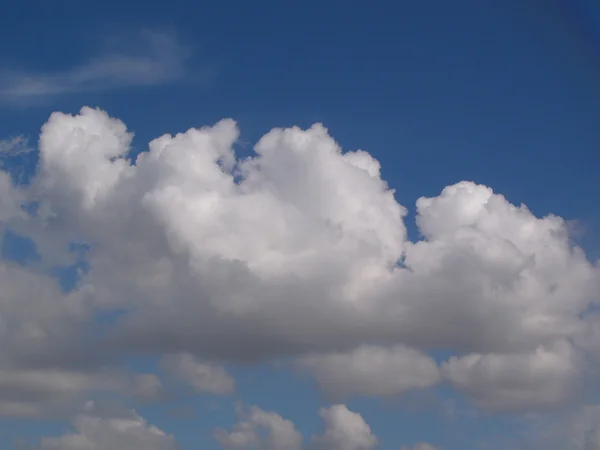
x=155 y=59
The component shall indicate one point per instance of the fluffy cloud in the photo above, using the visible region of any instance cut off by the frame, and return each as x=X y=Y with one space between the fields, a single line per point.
x=258 y=429
x=262 y=430
x=300 y=252
x=372 y=371
x=130 y=432
x=201 y=376
x=543 y=378
x=344 y=430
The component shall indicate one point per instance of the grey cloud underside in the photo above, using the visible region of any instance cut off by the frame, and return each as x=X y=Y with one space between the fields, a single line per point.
x=291 y=254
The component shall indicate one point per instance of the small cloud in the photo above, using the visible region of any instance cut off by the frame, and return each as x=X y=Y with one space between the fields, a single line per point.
x=127 y=430
x=17 y=158
x=344 y=430
x=200 y=375
x=261 y=430
x=15 y=146
x=149 y=59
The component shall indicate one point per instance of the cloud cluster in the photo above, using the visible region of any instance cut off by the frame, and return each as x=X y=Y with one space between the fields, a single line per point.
x=260 y=429
x=343 y=430
x=257 y=429
x=299 y=252
x=97 y=432
x=371 y=371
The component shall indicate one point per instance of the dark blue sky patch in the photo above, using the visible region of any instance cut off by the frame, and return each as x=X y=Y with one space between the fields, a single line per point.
x=18 y=249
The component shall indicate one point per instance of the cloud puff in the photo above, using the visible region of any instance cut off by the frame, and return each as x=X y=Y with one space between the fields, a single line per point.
x=201 y=376
x=93 y=432
x=344 y=430
x=109 y=426
x=543 y=378
x=258 y=429
x=372 y=371
x=299 y=252
x=147 y=59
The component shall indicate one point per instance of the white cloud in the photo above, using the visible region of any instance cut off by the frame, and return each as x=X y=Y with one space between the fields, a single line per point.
x=291 y=253
x=344 y=430
x=547 y=377
x=92 y=432
x=372 y=371
x=258 y=429
x=147 y=59
x=201 y=376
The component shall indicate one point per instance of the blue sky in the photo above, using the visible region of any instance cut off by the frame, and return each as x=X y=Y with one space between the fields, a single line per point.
x=502 y=94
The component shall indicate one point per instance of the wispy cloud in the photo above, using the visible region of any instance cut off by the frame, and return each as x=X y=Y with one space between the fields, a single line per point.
x=149 y=59
x=16 y=158
x=15 y=146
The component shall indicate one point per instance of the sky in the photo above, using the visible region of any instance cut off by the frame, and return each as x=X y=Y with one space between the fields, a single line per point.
x=300 y=226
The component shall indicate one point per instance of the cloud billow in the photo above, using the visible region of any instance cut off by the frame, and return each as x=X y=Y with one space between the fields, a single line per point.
x=291 y=254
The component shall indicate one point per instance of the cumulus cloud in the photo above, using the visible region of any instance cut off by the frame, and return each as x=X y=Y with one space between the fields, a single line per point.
x=39 y=364
x=372 y=371
x=92 y=432
x=299 y=251
x=544 y=378
x=147 y=59
x=258 y=429
x=48 y=358
x=201 y=376
x=344 y=430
